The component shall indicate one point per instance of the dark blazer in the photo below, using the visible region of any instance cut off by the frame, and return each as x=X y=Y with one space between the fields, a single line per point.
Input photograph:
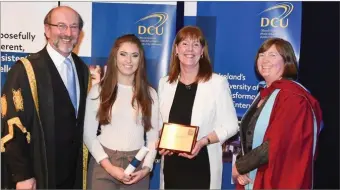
x=58 y=138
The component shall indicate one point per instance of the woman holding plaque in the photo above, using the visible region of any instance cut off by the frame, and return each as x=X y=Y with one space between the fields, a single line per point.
x=279 y=131
x=193 y=95
x=125 y=108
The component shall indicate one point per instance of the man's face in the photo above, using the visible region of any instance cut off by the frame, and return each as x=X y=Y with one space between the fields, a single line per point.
x=63 y=30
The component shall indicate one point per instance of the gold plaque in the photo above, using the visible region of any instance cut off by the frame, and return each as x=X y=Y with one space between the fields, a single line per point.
x=178 y=138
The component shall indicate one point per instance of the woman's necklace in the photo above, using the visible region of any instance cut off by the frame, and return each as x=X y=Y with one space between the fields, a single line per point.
x=188 y=87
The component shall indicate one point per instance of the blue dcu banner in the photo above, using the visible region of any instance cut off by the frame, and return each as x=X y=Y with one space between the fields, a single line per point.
x=235 y=31
x=154 y=25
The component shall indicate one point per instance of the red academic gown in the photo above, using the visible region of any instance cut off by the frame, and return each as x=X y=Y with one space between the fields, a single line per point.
x=290 y=136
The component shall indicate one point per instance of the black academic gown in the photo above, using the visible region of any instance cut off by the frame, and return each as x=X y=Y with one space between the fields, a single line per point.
x=31 y=152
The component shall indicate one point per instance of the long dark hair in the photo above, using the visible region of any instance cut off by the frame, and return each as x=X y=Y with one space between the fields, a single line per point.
x=141 y=86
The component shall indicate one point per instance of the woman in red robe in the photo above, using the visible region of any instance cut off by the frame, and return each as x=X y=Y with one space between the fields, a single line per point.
x=279 y=132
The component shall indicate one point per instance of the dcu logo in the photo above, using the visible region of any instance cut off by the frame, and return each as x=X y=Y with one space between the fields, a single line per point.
x=283 y=10
x=148 y=26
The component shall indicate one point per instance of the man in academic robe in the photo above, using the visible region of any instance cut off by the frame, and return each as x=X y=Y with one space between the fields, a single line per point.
x=43 y=106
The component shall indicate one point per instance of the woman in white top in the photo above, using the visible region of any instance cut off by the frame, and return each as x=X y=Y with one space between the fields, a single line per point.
x=126 y=108
x=193 y=95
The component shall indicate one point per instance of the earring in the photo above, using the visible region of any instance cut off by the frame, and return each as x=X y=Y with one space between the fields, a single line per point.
x=176 y=54
x=202 y=56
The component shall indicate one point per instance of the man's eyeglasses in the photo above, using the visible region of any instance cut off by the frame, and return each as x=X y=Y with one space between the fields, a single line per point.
x=63 y=27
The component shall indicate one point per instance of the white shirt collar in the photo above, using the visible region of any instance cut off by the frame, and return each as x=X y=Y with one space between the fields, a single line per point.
x=56 y=57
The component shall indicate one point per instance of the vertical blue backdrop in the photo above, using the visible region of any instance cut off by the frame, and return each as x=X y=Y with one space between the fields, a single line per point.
x=111 y=20
x=235 y=31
